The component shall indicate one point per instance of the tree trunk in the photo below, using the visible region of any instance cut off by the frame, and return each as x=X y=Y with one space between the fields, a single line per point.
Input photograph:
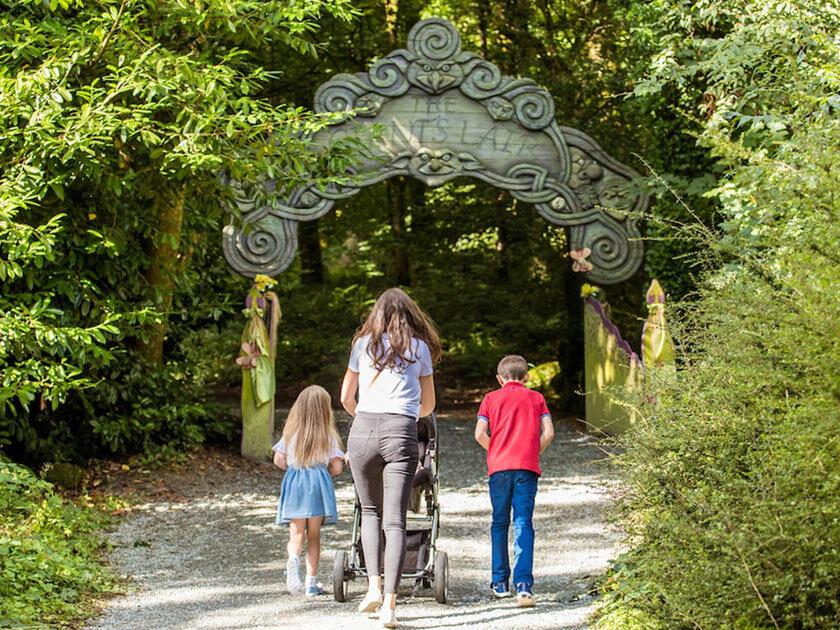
x=396 y=202
x=392 y=8
x=482 y=27
x=168 y=213
x=572 y=360
x=311 y=260
x=502 y=246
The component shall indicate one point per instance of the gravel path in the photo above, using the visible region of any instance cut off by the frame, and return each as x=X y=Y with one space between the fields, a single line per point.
x=201 y=549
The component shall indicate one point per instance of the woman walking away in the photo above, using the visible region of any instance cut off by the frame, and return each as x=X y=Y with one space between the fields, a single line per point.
x=309 y=452
x=391 y=368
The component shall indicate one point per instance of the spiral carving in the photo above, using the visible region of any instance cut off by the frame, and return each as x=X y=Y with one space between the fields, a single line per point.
x=388 y=76
x=339 y=94
x=268 y=247
x=483 y=81
x=434 y=39
x=616 y=249
x=534 y=110
x=607 y=250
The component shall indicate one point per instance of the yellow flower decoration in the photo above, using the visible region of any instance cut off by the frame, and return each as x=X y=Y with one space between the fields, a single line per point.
x=263 y=282
x=588 y=290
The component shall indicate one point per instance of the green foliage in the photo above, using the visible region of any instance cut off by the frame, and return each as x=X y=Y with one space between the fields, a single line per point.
x=116 y=115
x=732 y=479
x=49 y=552
x=335 y=312
x=545 y=377
x=119 y=114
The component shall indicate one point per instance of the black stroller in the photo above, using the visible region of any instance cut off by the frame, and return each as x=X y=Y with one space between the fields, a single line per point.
x=423 y=562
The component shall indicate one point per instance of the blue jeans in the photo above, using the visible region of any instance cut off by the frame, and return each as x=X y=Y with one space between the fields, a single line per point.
x=516 y=489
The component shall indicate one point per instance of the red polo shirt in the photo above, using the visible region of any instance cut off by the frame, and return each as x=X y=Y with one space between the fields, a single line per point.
x=514 y=413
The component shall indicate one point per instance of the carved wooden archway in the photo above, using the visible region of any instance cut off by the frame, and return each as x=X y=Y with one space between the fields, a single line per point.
x=447 y=113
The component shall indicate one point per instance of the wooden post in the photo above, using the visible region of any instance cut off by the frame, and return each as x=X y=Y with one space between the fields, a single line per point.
x=610 y=364
x=657 y=346
x=258 y=356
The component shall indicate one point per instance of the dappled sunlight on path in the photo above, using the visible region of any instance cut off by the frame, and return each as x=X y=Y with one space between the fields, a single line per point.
x=212 y=557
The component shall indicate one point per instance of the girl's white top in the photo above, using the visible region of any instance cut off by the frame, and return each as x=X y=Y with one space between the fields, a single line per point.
x=393 y=391
x=289 y=451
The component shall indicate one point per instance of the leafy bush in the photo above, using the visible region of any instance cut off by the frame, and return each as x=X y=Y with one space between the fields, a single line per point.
x=131 y=409
x=116 y=120
x=732 y=479
x=49 y=551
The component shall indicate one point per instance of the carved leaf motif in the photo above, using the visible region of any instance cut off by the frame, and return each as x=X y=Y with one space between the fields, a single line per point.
x=500 y=108
x=587 y=196
x=613 y=194
x=370 y=104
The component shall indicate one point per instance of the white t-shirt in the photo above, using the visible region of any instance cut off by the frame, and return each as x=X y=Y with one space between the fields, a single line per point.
x=393 y=391
x=288 y=451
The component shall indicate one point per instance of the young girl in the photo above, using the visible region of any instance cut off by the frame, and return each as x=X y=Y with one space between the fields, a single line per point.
x=391 y=366
x=309 y=452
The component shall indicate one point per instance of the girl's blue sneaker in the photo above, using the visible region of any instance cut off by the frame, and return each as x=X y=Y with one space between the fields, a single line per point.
x=523 y=594
x=313 y=590
x=293 y=582
x=500 y=590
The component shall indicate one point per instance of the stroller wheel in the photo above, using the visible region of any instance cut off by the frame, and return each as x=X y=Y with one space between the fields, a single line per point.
x=441 y=578
x=340 y=584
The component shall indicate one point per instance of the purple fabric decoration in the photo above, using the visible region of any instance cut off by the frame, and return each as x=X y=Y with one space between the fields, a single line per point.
x=260 y=302
x=612 y=329
x=271 y=331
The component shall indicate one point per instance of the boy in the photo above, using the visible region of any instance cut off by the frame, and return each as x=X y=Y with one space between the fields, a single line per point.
x=520 y=429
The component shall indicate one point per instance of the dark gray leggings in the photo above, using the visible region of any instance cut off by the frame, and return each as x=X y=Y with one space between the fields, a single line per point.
x=383 y=459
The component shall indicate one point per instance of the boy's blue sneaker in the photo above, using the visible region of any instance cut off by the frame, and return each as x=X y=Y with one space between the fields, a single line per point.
x=313 y=590
x=523 y=594
x=500 y=590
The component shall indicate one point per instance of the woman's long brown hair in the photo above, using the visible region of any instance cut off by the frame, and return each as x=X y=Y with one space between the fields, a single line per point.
x=312 y=426
x=396 y=315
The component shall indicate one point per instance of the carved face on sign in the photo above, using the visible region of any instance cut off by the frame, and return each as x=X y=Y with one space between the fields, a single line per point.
x=435 y=76
x=435 y=167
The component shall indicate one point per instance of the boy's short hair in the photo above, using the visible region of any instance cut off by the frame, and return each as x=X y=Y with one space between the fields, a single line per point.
x=512 y=368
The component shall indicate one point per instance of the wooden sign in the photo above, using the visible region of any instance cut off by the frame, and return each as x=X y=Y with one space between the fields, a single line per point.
x=435 y=113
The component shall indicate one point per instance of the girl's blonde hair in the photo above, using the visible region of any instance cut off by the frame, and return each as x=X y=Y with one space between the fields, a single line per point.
x=312 y=427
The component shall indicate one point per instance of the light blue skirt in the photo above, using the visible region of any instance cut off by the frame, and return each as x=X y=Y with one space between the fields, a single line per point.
x=307 y=492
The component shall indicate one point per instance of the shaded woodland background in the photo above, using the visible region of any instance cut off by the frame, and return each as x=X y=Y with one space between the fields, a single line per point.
x=120 y=321
x=494 y=276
